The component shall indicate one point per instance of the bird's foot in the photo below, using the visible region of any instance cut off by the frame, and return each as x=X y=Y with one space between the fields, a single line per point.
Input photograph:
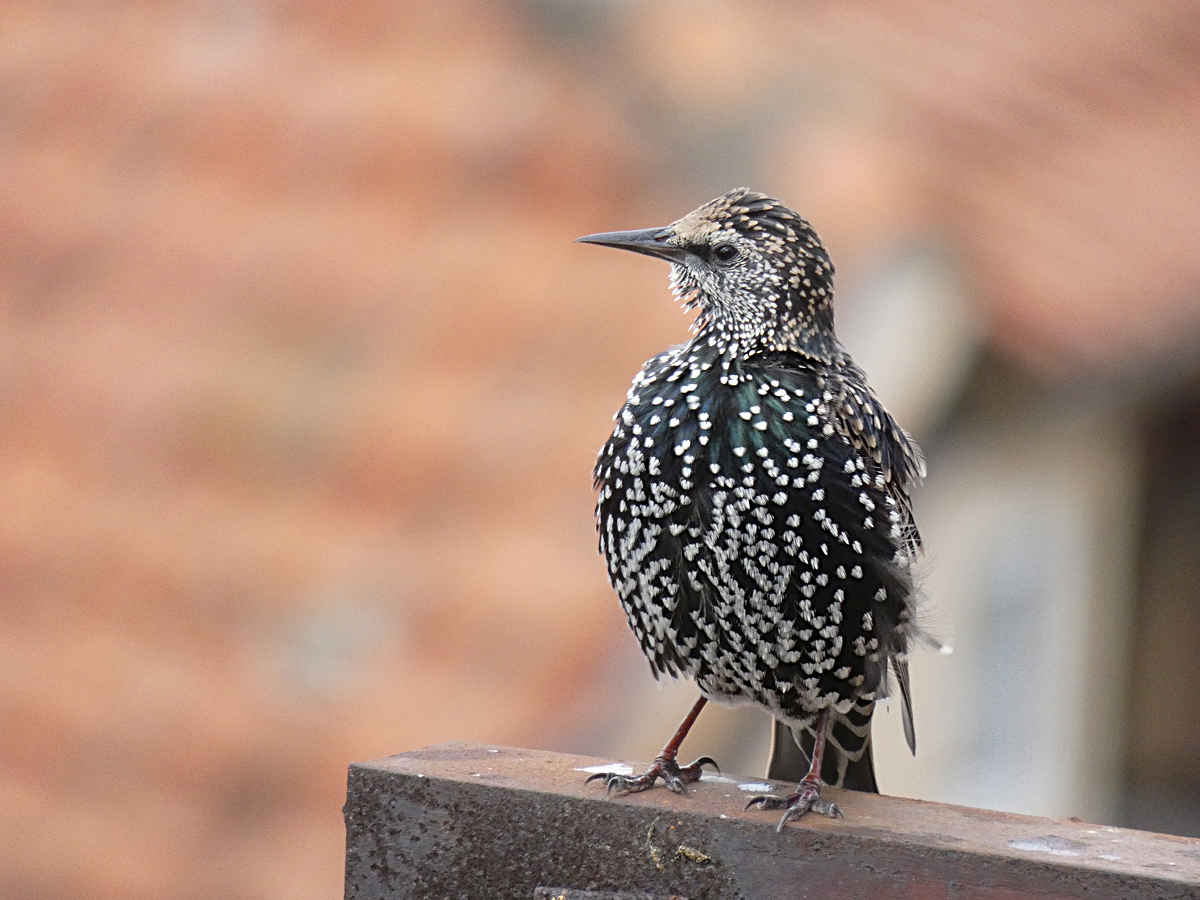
x=674 y=776
x=807 y=798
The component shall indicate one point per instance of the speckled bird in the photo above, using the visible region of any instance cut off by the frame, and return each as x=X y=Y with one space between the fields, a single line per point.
x=753 y=506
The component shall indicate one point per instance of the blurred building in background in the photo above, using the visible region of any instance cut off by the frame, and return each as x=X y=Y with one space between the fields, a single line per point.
x=302 y=379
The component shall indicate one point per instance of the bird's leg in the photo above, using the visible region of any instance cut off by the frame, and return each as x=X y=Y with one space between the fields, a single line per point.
x=673 y=775
x=808 y=792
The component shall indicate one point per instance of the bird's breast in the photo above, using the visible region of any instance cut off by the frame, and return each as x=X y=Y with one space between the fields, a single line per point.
x=744 y=537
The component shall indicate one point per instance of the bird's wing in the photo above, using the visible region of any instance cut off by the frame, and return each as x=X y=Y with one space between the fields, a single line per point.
x=890 y=452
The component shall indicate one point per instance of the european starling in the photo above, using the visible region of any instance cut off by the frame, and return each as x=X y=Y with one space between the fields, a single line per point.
x=753 y=506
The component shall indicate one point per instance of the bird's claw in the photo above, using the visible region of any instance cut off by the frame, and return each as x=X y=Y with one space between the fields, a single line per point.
x=806 y=799
x=624 y=784
x=674 y=777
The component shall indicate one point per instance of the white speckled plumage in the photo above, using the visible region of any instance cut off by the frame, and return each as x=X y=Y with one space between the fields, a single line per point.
x=753 y=505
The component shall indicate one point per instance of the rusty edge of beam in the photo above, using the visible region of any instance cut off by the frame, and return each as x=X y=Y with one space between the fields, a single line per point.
x=946 y=848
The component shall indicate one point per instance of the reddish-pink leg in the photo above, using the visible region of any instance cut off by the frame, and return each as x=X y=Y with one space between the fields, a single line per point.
x=674 y=776
x=808 y=792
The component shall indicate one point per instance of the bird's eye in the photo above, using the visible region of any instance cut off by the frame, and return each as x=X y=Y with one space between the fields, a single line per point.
x=724 y=253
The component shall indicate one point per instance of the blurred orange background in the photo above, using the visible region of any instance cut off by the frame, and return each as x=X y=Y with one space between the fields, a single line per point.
x=302 y=379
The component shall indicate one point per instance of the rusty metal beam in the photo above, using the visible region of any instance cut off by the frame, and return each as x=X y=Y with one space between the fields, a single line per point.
x=466 y=820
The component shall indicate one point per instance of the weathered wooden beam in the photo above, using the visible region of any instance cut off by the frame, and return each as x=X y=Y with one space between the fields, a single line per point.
x=472 y=821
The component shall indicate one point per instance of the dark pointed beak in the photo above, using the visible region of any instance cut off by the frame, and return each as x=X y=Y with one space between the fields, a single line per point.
x=651 y=241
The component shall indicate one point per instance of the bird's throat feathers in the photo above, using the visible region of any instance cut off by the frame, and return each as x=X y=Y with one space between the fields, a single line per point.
x=739 y=327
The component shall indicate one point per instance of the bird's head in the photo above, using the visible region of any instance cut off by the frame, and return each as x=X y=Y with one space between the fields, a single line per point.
x=757 y=272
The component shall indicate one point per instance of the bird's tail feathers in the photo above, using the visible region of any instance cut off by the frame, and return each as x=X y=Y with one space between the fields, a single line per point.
x=848 y=762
